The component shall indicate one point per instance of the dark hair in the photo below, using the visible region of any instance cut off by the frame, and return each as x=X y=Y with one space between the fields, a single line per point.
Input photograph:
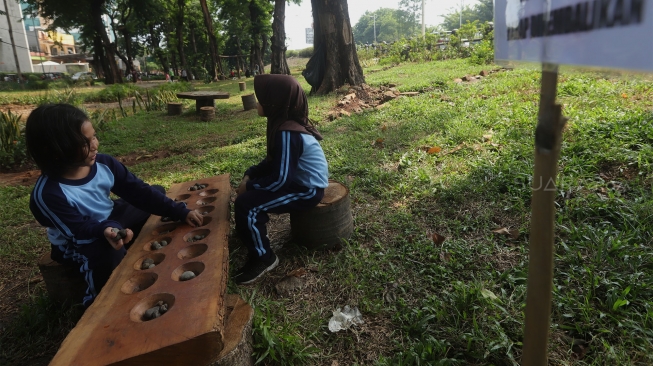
x=53 y=133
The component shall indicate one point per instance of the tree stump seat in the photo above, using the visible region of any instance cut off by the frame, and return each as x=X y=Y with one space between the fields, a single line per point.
x=64 y=284
x=326 y=225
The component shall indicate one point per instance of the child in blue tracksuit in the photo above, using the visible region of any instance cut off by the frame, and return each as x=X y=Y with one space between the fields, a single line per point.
x=71 y=197
x=292 y=176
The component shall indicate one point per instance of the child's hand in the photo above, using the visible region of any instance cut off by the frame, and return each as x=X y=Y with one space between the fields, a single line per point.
x=242 y=188
x=117 y=241
x=194 y=218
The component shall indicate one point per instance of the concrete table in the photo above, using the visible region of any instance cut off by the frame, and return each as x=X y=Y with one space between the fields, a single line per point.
x=203 y=98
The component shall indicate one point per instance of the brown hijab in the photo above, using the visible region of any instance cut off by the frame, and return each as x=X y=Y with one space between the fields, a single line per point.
x=285 y=105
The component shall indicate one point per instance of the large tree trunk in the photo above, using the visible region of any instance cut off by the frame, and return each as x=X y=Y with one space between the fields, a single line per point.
x=180 y=36
x=213 y=43
x=128 y=64
x=256 y=56
x=279 y=64
x=100 y=61
x=332 y=30
x=155 y=41
x=175 y=66
x=112 y=75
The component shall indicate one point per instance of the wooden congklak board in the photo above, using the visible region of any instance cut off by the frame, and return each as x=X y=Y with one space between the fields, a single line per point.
x=113 y=330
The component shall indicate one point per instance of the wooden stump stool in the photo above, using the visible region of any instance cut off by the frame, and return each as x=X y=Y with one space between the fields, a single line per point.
x=65 y=284
x=237 y=337
x=242 y=85
x=207 y=113
x=249 y=101
x=175 y=109
x=327 y=224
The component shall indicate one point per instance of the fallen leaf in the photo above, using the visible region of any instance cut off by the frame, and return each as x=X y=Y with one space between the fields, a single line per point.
x=297 y=272
x=489 y=294
x=487 y=137
x=624 y=95
x=437 y=238
x=445 y=257
x=455 y=149
x=384 y=127
x=512 y=233
x=434 y=150
x=380 y=140
x=313 y=268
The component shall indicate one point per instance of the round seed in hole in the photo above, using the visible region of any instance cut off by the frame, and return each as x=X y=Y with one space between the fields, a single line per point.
x=192 y=188
x=156 y=311
x=164 y=243
x=156 y=246
x=187 y=276
x=147 y=263
x=205 y=213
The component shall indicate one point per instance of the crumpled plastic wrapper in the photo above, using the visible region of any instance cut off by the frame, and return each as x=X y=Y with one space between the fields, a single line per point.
x=343 y=320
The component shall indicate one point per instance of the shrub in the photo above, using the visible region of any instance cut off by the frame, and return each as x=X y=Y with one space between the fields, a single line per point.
x=12 y=139
x=483 y=53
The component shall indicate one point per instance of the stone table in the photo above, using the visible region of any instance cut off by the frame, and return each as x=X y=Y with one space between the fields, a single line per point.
x=203 y=98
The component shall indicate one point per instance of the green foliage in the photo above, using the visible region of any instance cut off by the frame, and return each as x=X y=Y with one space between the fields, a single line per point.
x=483 y=53
x=12 y=139
x=482 y=12
x=390 y=25
x=304 y=52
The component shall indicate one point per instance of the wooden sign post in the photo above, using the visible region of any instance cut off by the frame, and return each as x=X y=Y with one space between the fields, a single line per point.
x=548 y=135
x=608 y=34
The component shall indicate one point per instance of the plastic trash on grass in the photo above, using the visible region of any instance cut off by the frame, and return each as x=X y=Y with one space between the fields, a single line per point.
x=343 y=320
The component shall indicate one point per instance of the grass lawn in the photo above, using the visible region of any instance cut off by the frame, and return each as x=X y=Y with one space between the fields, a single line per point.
x=460 y=301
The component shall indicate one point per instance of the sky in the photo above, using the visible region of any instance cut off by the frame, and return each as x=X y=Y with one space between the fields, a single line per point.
x=300 y=17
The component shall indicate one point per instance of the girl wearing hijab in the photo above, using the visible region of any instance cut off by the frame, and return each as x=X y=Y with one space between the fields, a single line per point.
x=292 y=176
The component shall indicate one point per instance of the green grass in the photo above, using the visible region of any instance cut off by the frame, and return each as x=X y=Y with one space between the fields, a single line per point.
x=460 y=302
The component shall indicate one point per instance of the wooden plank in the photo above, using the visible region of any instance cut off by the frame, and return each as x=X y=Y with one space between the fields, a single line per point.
x=191 y=331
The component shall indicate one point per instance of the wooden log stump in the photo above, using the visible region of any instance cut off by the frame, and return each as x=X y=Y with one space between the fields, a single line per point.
x=242 y=85
x=249 y=101
x=175 y=109
x=327 y=224
x=207 y=113
x=65 y=284
x=237 y=337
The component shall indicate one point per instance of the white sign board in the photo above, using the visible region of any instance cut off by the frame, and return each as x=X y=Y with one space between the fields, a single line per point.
x=603 y=33
x=309 y=35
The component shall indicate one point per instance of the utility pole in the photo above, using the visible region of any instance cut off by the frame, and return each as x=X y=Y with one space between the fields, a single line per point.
x=423 y=26
x=13 y=44
x=462 y=3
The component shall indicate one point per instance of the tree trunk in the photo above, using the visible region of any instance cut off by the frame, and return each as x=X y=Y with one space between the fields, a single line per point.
x=175 y=67
x=180 y=36
x=213 y=43
x=279 y=64
x=125 y=60
x=102 y=62
x=155 y=41
x=256 y=58
x=332 y=30
x=128 y=48
x=112 y=75
x=264 y=47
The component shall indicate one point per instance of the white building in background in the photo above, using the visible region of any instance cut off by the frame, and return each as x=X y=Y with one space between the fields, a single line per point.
x=7 y=60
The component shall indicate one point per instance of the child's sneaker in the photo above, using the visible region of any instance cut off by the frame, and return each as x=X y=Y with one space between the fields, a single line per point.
x=254 y=269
